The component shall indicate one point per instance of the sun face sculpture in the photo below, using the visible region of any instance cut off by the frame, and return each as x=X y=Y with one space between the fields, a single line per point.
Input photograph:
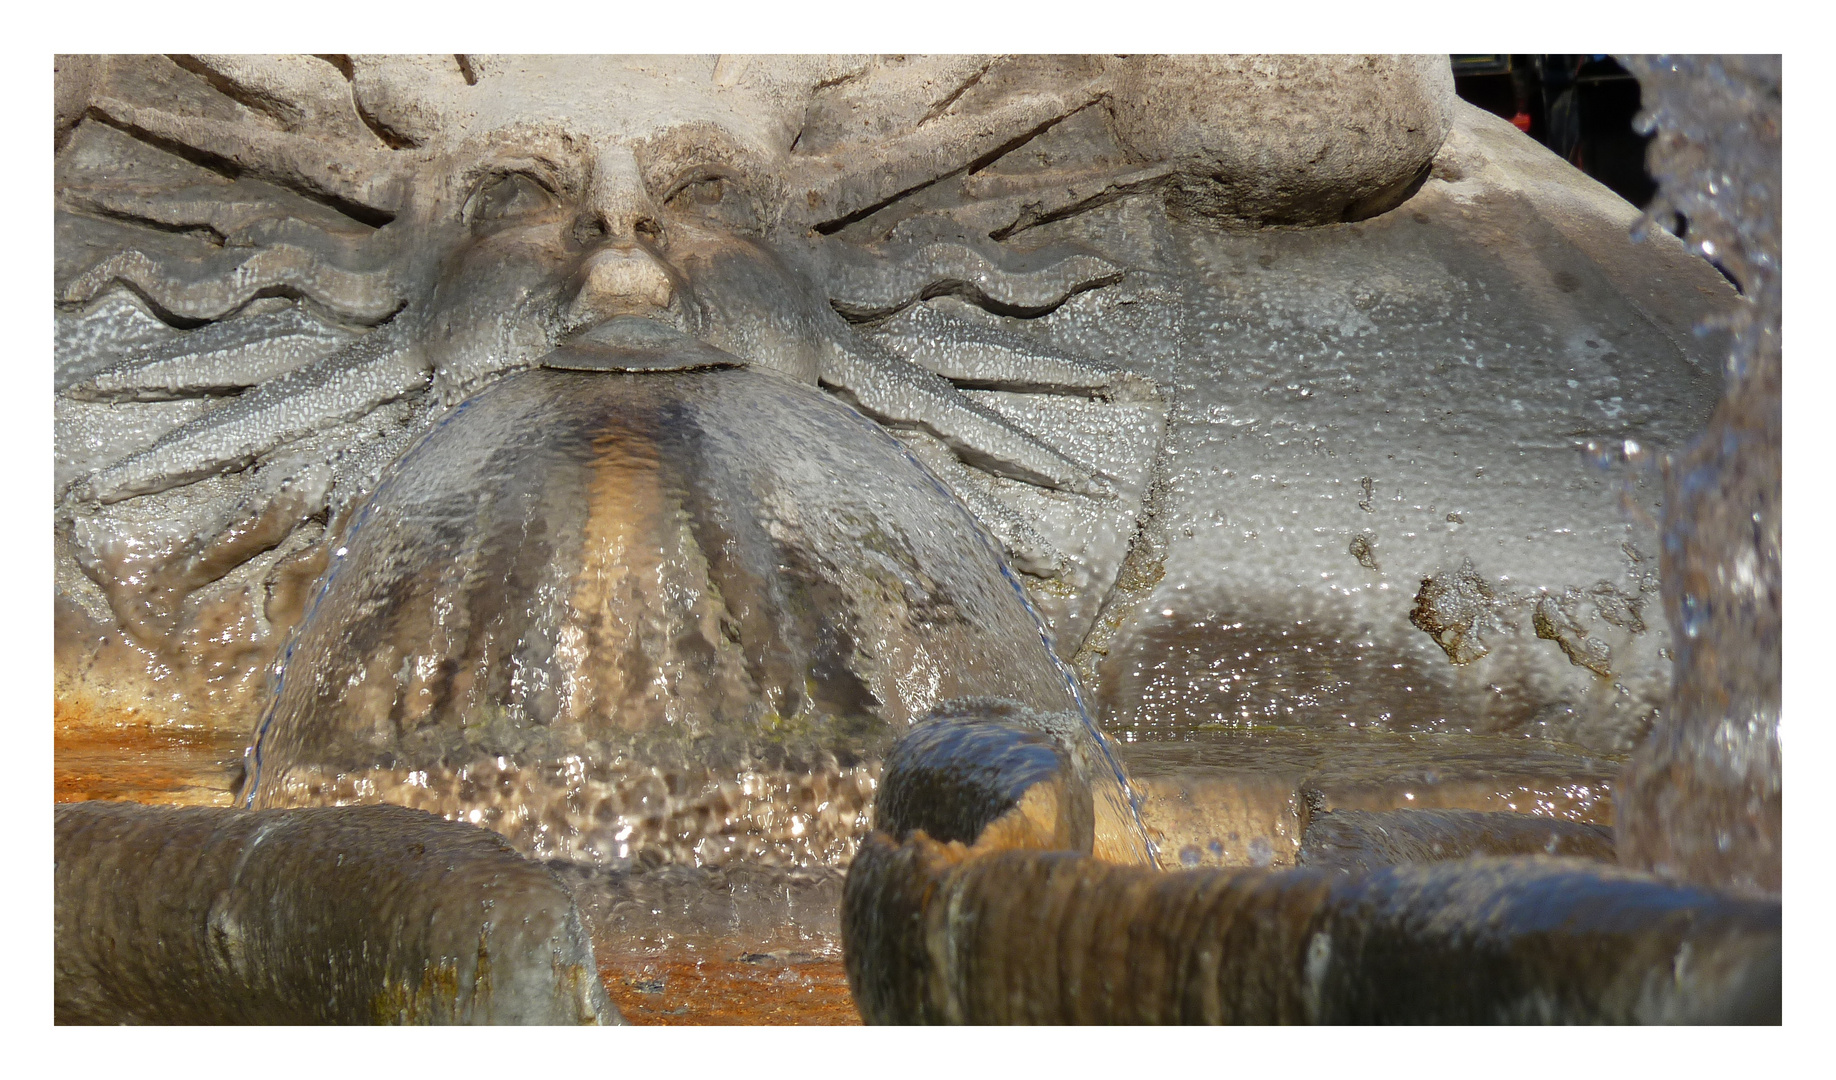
x=345 y=239
x=273 y=273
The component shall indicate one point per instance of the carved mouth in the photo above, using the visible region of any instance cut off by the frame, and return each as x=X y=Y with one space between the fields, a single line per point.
x=636 y=343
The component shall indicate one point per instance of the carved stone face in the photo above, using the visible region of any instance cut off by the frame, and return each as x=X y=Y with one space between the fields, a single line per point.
x=347 y=247
x=531 y=268
x=528 y=202
x=629 y=195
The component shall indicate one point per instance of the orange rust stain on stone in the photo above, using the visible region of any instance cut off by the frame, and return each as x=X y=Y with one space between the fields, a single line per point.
x=102 y=757
x=105 y=754
x=684 y=989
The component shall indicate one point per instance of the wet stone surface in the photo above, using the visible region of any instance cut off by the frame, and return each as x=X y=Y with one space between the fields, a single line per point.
x=1245 y=798
x=1360 y=408
x=136 y=763
x=377 y=914
x=1359 y=841
x=675 y=945
x=751 y=988
x=1396 y=916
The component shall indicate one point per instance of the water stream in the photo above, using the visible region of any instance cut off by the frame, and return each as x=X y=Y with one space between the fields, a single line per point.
x=1703 y=800
x=633 y=619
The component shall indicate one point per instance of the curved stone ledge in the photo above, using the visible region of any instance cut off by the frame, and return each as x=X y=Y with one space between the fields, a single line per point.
x=936 y=933
x=960 y=779
x=353 y=915
x=1002 y=932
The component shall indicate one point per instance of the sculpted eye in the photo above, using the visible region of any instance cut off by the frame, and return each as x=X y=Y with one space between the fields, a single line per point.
x=698 y=194
x=511 y=195
x=715 y=198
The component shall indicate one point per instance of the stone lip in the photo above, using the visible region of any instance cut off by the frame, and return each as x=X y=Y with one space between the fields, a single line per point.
x=354 y=915
x=954 y=779
x=633 y=343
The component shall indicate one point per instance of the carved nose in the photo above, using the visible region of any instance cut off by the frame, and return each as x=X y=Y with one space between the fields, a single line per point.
x=619 y=281
x=624 y=274
x=619 y=208
x=637 y=226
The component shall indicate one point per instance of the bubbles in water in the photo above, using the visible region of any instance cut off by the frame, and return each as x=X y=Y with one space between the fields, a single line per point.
x=1261 y=852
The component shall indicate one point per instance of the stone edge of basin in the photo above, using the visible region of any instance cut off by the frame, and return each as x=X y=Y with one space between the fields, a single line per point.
x=328 y=915
x=1014 y=927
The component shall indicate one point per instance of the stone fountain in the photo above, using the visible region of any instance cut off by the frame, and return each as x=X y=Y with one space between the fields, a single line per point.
x=684 y=467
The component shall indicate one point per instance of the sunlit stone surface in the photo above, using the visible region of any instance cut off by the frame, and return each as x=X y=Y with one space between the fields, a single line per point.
x=662 y=617
x=1361 y=407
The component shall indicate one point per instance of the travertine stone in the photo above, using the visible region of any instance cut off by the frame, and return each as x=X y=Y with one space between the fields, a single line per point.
x=1286 y=140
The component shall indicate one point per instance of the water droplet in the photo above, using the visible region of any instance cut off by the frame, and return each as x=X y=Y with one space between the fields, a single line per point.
x=1262 y=853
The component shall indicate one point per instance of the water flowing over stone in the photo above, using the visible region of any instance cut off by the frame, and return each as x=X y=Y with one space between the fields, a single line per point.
x=658 y=616
x=598 y=451
x=1399 y=918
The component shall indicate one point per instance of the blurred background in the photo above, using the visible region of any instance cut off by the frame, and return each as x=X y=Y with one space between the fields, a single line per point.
x=1580 y=106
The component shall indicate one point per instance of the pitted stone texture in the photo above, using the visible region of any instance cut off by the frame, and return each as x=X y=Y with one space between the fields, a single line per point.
x=1286 y=140
x=1428 y=380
